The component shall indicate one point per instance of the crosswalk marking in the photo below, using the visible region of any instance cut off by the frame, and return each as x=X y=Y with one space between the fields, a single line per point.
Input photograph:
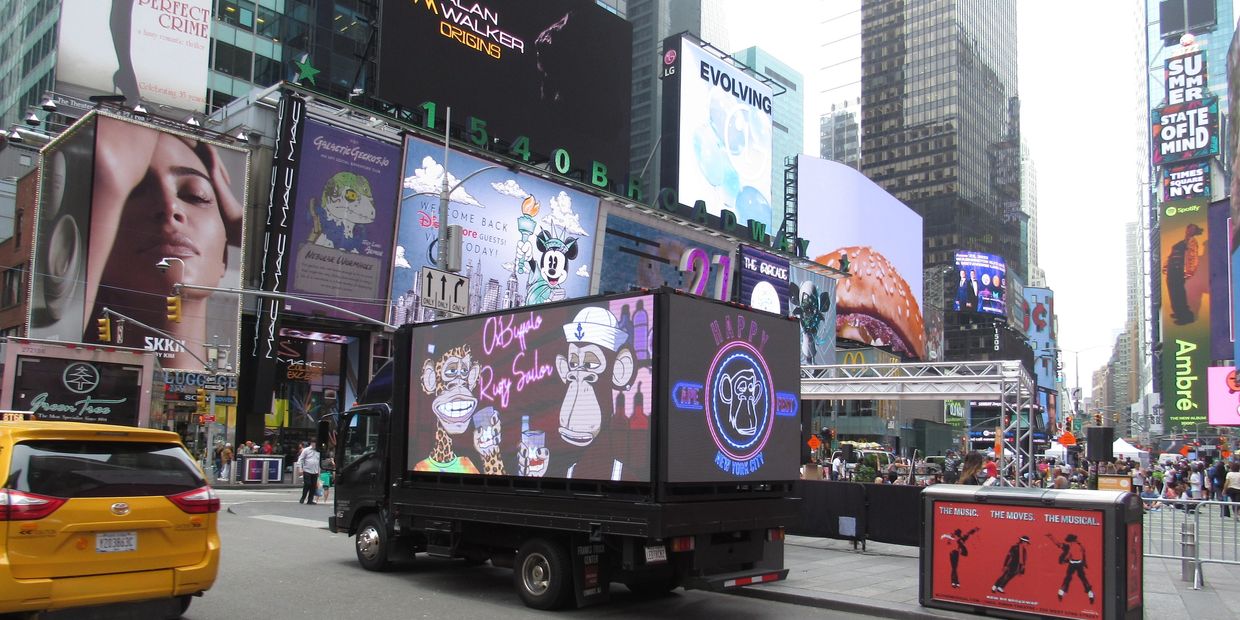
x=315 y=523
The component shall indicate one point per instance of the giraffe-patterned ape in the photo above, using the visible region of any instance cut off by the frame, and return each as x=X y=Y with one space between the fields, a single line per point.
x=486 y=440
x=453 y=380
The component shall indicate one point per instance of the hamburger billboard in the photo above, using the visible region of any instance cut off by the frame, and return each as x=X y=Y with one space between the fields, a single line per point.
x=854 y=225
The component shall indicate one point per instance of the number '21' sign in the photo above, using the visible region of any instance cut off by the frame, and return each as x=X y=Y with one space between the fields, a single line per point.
x=698 y=263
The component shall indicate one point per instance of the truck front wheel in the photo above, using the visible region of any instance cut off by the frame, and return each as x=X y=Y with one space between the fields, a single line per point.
x=543 y=574
x=372 y=544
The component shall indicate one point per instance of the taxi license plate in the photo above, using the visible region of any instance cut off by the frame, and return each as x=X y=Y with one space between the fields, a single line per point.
x=656 y=554
x=112 y=542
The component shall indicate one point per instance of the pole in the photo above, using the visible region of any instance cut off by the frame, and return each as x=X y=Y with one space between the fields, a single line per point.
x=442 y=255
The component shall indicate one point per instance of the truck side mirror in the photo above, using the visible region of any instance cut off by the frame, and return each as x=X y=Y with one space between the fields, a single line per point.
x=324 y=432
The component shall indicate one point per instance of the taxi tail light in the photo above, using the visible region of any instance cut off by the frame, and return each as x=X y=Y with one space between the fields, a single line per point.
x=19 y=506
x=202 y=500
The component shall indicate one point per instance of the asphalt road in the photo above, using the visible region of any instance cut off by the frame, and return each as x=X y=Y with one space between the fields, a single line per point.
x=280 y=562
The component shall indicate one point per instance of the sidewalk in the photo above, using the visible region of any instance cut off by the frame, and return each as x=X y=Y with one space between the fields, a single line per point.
x=883 y=580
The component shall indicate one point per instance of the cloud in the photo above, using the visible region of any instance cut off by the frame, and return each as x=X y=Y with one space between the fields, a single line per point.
x=510 y=188
x=429 y=180
x=562 y=216
x=583 y=272
x=400 y=261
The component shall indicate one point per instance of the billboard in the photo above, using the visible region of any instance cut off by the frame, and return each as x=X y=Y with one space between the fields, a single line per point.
x=717 y=118
x=653 y=253
x=811 y=301
x=561 y=391
x=763 y=280
x=526 y=240
x=1185 y=131
x=1185 y=287
x=855 y=225
x=1030 y=559
x=1185 y=77
x=1018 y=310
x=550 y=75
x=154 y=194
x=1224 y=393
x=734 y=395
x=1039 y=328
x=155 y=52
x=343 y=221
x=1222 y=336
x=982 y=283
x=1185 y=181
x=77 y=384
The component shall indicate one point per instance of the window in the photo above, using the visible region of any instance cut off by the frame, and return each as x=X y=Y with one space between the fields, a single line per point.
x=361 y=437
x=101 y=469
x=12 y=294
x=232 y=60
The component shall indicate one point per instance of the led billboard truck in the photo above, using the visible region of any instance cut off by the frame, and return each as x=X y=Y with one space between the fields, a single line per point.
x=604 y=439
x=1032 y=553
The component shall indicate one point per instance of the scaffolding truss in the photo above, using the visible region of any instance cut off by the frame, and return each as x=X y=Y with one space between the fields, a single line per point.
x=1003 y=381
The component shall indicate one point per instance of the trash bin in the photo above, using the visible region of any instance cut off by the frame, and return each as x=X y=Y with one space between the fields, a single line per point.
x=1032 y=552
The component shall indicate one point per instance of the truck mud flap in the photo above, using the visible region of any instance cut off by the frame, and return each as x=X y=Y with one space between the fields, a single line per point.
x=727 y=581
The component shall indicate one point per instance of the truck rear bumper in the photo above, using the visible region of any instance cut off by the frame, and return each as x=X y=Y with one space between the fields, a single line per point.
x=727 y=581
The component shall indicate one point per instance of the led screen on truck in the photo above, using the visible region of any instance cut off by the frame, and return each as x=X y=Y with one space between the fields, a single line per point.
x=735 y=381
x=561 y=391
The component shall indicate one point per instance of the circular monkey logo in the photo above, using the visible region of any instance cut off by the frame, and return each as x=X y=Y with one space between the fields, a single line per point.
x=740 y=402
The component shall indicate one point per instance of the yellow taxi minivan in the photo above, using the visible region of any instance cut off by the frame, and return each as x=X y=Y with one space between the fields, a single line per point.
x=94 y=514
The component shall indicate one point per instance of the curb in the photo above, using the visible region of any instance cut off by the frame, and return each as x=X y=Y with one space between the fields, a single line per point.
x=850 y=605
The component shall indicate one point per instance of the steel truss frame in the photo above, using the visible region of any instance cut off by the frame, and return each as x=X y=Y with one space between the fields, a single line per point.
x=1004 y=381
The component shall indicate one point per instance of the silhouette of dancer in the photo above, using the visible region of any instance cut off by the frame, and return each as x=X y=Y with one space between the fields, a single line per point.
x=1013 y=563
x=1072 y=553
x=958 y=539
x=125 y=79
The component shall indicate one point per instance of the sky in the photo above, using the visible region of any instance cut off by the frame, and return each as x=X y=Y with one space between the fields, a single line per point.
x=1079 y=100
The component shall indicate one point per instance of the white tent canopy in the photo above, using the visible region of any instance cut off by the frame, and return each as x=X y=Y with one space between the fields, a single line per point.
x=1124 y=449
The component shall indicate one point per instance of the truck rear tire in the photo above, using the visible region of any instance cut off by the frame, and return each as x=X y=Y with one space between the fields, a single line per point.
x=543 y=574
x=371 y=543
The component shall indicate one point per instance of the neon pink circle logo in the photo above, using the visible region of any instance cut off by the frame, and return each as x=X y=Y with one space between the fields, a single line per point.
x=669 y=57
x=740 y=403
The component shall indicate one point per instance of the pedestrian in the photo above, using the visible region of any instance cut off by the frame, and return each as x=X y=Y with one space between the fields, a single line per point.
x=266 y=447
x=1197 y=482
x=837 y=466
x=1013 y=563
x=1061 y=482
x=1072 y=553
x=972 y=472
x=215 y=457
x=992 y=469
x=328 y=471
x=310 y=470
x=1231 y=488
x=956 y=540
x=226 y=459
x=1138 y=480
x=951 y=467
x=1218 y=473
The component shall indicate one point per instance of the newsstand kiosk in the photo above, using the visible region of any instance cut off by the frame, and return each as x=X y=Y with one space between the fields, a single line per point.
x=1032 y=553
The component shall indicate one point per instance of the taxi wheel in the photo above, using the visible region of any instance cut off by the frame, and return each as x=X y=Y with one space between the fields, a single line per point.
x=372 y=544
x=183 y=605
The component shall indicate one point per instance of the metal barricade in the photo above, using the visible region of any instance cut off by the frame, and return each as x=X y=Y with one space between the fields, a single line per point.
x=1196 y=532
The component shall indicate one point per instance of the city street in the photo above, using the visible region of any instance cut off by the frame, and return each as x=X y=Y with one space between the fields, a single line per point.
x=281 y=562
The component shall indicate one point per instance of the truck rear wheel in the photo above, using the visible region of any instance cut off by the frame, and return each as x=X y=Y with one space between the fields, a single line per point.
x=543 y=574
x=372 y=543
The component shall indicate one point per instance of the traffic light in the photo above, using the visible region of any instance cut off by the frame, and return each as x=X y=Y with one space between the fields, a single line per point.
x=105 y=329
x=1097 y=419
x=174 y=308
x=201 y=398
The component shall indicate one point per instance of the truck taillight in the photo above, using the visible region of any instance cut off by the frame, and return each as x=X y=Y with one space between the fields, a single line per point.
x=775 y=534
x=681 y=543
x=202 y=500
x=19 y=506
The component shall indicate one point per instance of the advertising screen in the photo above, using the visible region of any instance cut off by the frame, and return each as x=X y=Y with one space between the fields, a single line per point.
x=343 y=222
x=78 y=391
x=1185 y=282
x=1185 y=77
x=1221 y=330
x=982 y=283
x=563 y=391
x=735 y=384
x=1185 y=131
x=526 y=240
x=763 y=280
x=811 y=301
x=655 y=254
x=1039 y=327
x=1186 y=181
x=723 y=146
x=150 y=51
x=1224 y=394
x=556 y=72
x=1035 y=560
x=855 y=225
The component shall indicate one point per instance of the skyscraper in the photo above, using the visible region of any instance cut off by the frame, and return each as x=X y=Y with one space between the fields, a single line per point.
x=940 y=126
x=840 y=136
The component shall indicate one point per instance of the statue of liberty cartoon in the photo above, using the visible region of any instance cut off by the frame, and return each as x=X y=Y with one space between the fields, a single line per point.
x=526 y=224
x=347 y=204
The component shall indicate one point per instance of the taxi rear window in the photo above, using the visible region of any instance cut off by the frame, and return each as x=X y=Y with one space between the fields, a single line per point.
x=101 y=469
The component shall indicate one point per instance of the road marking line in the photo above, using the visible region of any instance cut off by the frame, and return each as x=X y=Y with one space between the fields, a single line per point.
x=315 y=523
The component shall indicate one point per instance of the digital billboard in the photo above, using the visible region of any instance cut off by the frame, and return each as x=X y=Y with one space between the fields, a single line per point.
x=559 y=391
x=547 y=75
x=1233 y=151
x=58 y=389
x=1185 y=77
x=854 y=225
x=343 y=222
x=155 y=52
x=763 y=280
x=652 y=253
x=735 y=387
x=811 y=301
x=1185 y=131
x=1186 y=181
x=1222 y=336
x=981 y=284
x=154 y=195
x=1039 y=328
x=1031 y=559
x=717 y=133
x=525 y=240
x=1185 y=287
x=1224 y=394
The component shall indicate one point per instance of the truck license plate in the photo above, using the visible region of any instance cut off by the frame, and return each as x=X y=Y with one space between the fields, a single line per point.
x=656 y=554
x=111 y=542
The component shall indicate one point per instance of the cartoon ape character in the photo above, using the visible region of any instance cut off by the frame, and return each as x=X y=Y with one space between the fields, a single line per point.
x=347 y=205
x=810 y=307
x=452 y=380
x=487 y=430
x=547 y=276
x=599 y=360
x=742 y=392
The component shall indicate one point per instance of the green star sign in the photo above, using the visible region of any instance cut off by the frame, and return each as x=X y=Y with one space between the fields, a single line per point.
x=305 y=71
